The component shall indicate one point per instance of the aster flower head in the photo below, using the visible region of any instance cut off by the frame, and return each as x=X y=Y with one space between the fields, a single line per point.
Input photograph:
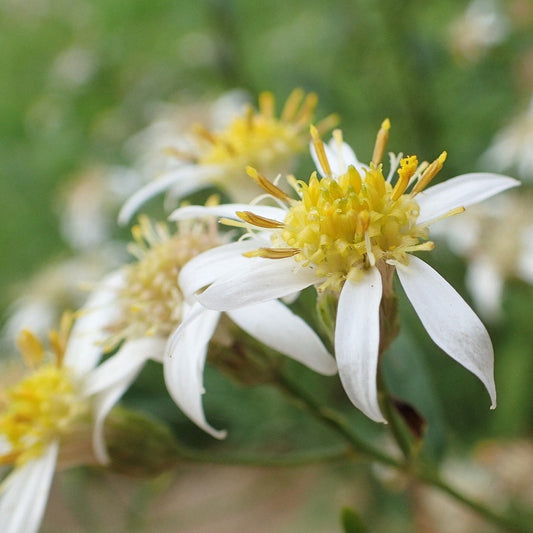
x=149 y=317
x=219 y=158
x=53 y=417
x=346 y=234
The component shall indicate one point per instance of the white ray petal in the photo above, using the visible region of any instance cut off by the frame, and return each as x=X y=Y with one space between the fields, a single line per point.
x=258 y=280
x=277 y=326
x=215 y=263
x=183 y=180
x=184 y=366
x=227 y=211
x=357 y=342
x=109 y=381
x=89 y=332
x=25 y=493
x=460 y=191
x=450 y=322
x=131 y=355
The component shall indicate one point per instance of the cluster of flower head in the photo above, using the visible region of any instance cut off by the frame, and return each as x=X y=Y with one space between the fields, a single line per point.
x=345 y=230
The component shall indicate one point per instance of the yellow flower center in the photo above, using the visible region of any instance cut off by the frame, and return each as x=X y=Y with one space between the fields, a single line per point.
x=43 y=406
x=151 y=300
x=343 y=225
x=260 y=138
x=39 y=409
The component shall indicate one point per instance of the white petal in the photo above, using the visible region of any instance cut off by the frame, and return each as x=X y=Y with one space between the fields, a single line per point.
x=184 y=366
x=184 y=180
x=213 y=264
x=450 y=322
x=84 y=347
x=277 y=326
x=25 y=493
x=227 y=211
x=109 y=381
x=258 y=280
x=460 y=191
x=357 y=342
x=131 y=355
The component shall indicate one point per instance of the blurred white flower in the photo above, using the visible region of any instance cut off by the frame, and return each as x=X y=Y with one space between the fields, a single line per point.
x=54 y=416
x=149 y=307
x=88 y=204
x=512 y=147
x=496 y=239
x=481 y=26
x=202 y=156
x=347 y=234
x=60 y=285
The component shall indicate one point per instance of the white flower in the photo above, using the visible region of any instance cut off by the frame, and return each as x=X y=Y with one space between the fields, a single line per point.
x=347 y=234
x=511 y=147
x=146 y=307
x=43 y=414
x=220 y=157
x=496 y=239
x=480 y=27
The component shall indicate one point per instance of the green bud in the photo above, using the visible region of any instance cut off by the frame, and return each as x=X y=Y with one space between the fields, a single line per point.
x=138 y=444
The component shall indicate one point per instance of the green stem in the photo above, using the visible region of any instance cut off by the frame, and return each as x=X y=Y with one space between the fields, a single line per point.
x=429 y=476
x=293 y=459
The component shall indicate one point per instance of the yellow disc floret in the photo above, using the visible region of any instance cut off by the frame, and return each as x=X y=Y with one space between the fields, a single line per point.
x=260 y=138
x=342 y=225
x=43 y=406
x=151 y=300
x=39 y=409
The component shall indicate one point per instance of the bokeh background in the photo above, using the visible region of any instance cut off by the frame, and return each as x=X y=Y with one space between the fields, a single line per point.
x=80 y=79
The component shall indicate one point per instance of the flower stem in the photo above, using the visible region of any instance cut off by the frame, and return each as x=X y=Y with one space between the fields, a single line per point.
x=424 y=473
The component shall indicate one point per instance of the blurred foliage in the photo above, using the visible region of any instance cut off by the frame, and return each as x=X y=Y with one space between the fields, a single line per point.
x=80 y=77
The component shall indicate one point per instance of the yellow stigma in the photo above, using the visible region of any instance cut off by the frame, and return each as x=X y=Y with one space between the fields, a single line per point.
x=42 y=407
x=151 y=300
x=343 y=225
x=261 y=139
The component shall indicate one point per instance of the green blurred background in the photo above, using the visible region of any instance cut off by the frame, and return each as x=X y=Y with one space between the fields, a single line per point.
x=79 y=78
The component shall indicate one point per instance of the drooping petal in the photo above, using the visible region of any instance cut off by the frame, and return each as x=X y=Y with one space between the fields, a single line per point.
x=90 y=329
x=184 y=365
x=275 y=325
x=112 y=378
x=131 y=355
x=25 y=493
x=357 y=342
x=213 y=264
x=184 y=180
x=258 y=280
x=227 y=211
x=461 y=191
x=450 y=322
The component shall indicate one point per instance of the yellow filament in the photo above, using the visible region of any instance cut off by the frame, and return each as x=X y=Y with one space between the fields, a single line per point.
x=431 y=171
x=31 y=349
x=291 y=105
x=320 y=151
x=266 y=185
x=408 y=166
x=259 y=221
x=266 y=104
x=381 y=142
x=272 y=253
